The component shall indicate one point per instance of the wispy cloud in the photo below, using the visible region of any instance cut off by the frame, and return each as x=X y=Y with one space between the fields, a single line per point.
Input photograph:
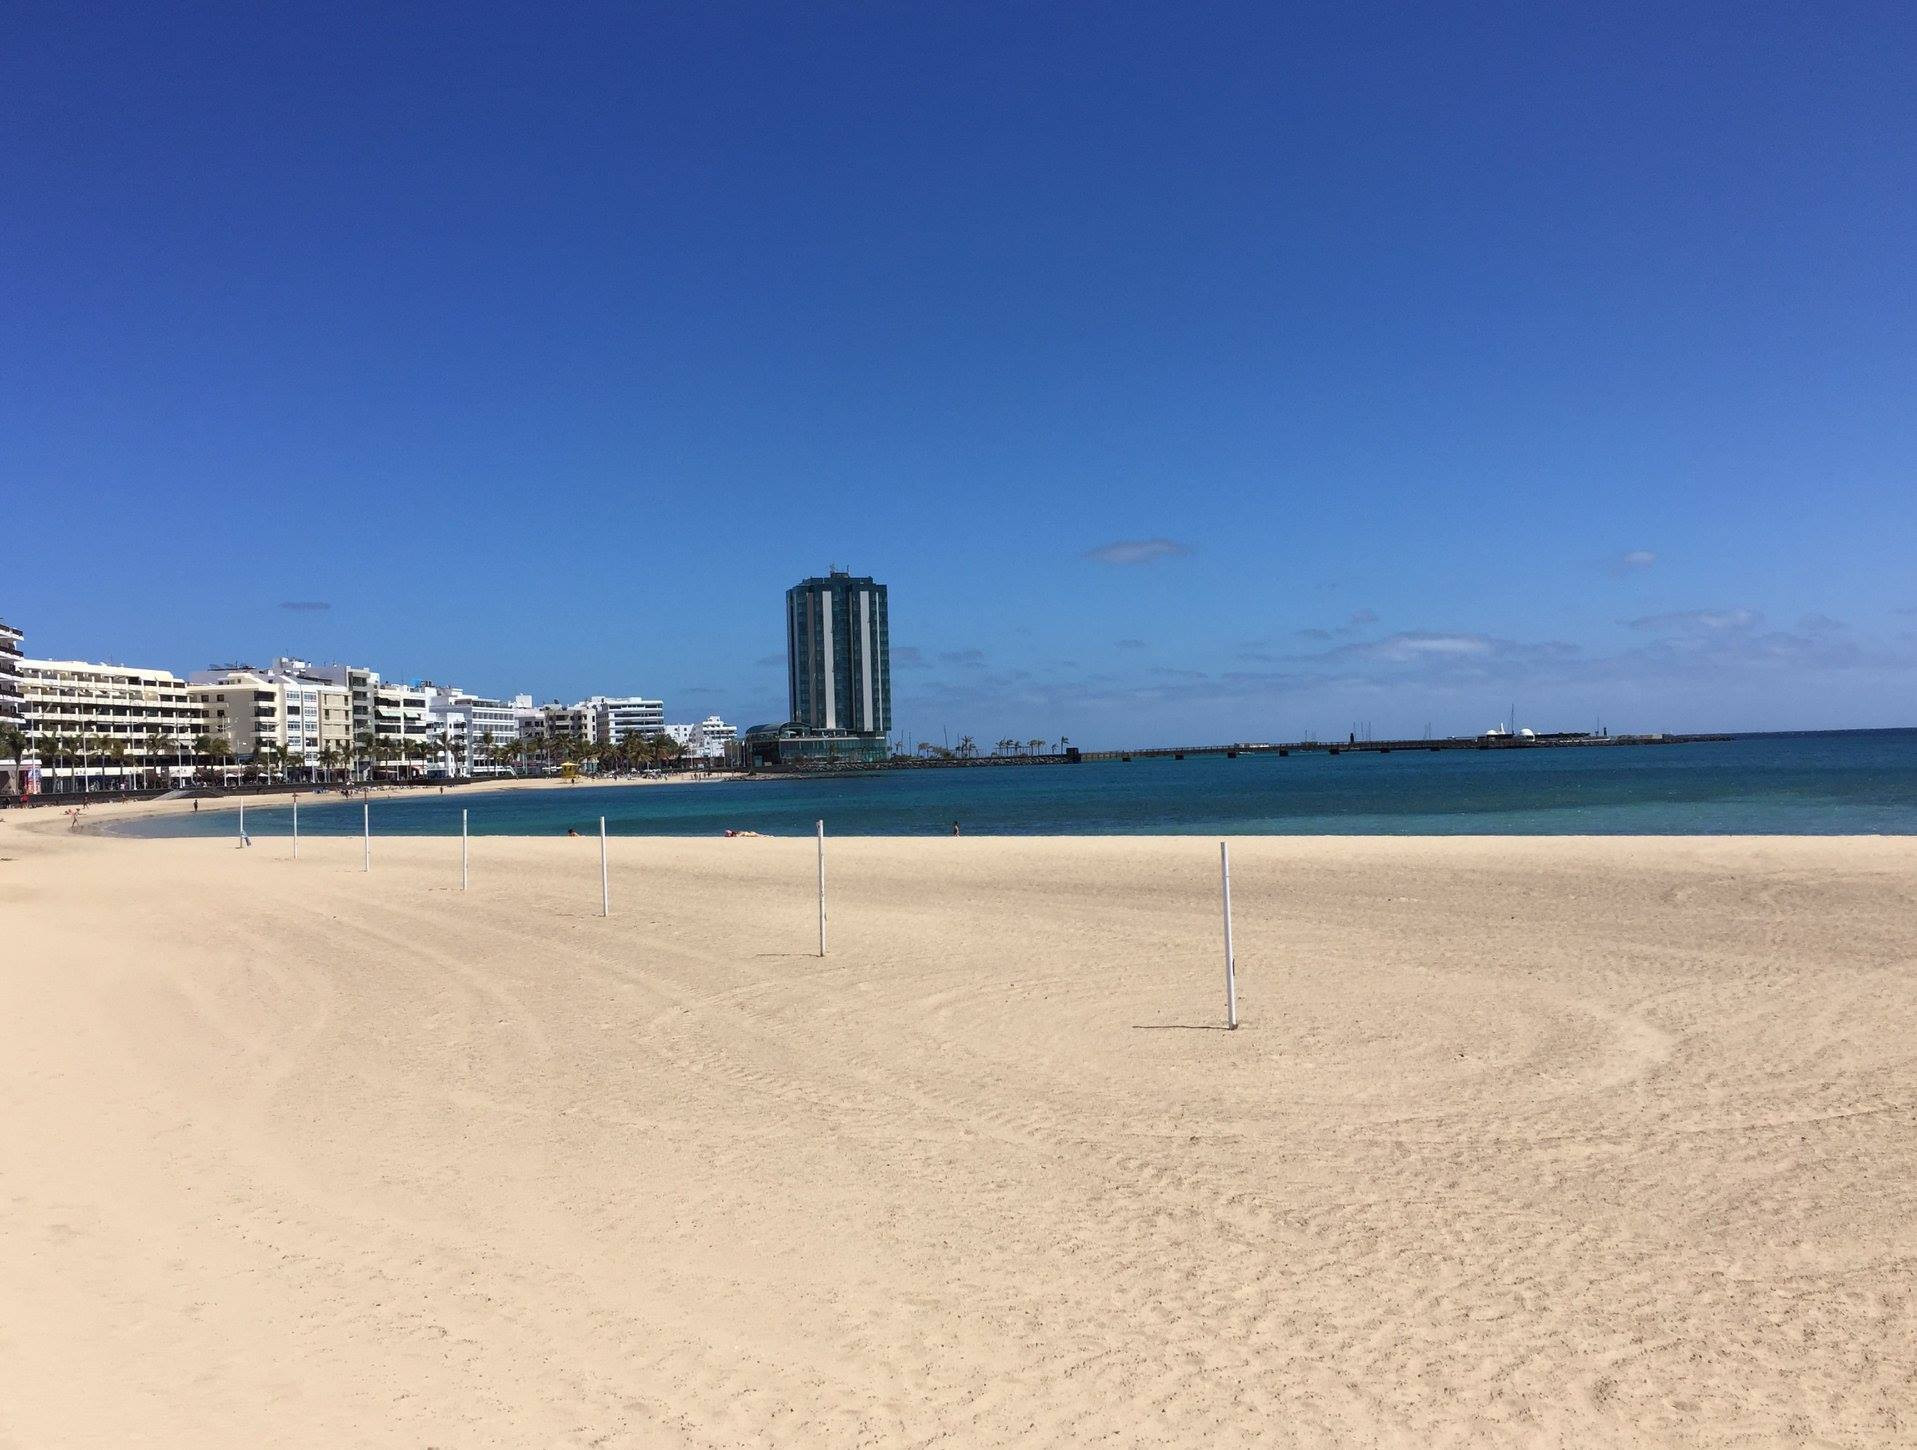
x=1420 y=645
x=1131 y=644
x=1445 y=668
x=1631 y=561
x=907 y=657
x=306 y=606
x=1696 y=621
x=1136 y=551
x=1356 y=622
x=970 y=659
x=766 y=662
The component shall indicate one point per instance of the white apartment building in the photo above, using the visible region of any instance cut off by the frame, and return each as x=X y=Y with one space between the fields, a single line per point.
x=707 y=740
x=13 y=714
x=105 y=727
x=390 y=728
x=616 y=718
x=241 y=708
x=360 y=684
x=488 y=729
x=292 y=722
x=402 y=732
x=570 y=722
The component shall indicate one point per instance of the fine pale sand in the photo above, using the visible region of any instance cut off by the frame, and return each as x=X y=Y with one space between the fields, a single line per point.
x=1546 y=1142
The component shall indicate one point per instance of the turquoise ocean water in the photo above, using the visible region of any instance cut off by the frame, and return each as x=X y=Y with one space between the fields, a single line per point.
x=1838 y=783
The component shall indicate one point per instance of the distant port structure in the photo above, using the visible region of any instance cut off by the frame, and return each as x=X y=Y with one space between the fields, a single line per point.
x=1073 y=755
x=1491 y=740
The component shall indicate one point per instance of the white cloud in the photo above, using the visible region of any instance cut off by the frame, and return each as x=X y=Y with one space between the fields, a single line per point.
x=1418 y=645
x=1696 y=621
x=1136 y=551
x=1631 y=561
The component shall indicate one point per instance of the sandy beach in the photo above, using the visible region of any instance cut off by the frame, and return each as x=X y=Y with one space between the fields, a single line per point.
x=1523 y=1142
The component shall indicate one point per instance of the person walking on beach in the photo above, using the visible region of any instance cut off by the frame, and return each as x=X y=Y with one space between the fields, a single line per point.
x=955 y=829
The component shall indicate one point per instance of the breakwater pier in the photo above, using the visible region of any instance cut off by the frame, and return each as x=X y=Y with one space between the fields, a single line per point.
x=1386 y=747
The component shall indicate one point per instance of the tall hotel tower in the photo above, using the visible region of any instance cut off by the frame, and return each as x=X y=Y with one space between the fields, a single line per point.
x=839 y=655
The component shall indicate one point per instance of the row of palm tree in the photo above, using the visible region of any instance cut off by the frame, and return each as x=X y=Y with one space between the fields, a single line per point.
x=160 y=755
x=143 y=760
x=635 y=752
x=1018 y=747
x=967 y=748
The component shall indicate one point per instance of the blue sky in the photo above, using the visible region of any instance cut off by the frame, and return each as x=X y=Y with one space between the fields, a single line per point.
x=1189 y=373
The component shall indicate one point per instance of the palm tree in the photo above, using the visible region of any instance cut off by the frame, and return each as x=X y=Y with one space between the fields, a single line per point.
x=449 y=744
x=152 y=752
x=668 y=751
x=13 y=742
x=90 y=746
x=1035 y=746
x=53 y=749
x=114 y=749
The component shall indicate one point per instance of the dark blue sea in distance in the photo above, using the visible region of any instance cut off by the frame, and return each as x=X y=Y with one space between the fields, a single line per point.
x=1837 y=783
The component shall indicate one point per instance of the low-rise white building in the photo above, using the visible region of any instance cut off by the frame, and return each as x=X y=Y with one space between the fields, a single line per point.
x=617 y=718
x=486 y=731
x=707 y=740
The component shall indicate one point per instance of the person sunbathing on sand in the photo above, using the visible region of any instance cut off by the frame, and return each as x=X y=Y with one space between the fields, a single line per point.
x=730 y=832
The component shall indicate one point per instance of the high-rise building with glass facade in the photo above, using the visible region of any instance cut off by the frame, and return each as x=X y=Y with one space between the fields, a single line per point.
x=838 y=655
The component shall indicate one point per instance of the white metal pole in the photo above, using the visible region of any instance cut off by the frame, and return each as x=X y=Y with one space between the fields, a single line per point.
x=366 y=814
x=821 y=888
x=242 y=823
x=463 y=854
x=296 y=826
x=1231 y=965
x=605 y=881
